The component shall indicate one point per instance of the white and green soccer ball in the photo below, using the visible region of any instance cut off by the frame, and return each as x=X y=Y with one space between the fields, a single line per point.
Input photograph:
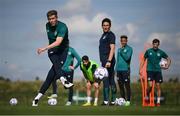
x=13 y=101
x=101 y=73
x=52 y=101
x=120 y=101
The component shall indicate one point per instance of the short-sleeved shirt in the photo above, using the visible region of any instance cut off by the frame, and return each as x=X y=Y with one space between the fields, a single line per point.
x=60 y=30
x=153 y=59
x=124 y=58
x=104 y=45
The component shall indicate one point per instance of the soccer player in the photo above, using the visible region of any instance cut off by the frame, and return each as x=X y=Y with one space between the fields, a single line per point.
x=124 y=55
x=107 y=58
x=57 y=33
x=153 y=56
x=88 y=68
x=68 y=71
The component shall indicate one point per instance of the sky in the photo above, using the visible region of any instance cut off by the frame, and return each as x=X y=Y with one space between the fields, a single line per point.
x=22 y=31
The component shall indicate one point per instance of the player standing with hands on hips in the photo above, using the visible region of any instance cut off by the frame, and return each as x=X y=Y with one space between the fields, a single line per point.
x=107 y=58
x=57 y=33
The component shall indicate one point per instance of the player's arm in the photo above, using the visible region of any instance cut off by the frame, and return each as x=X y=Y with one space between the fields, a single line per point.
x=94 y=67
x=76 y=55
x=111 y=54
x=168 y=62
x=117 y=60
x=54 y=44
x=83 y=73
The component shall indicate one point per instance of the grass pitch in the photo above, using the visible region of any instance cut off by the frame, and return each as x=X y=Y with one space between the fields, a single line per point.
x=79 y=110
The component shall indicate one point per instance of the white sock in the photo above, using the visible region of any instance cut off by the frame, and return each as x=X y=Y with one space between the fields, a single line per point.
x=62 y=79
x=89 y=99
x=158 y=99
x=96 y=100
x=39 y=95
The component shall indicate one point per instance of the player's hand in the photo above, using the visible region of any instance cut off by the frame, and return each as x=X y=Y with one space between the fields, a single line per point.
x=40 y=50
x=96 y=85
x=71 y=67
x=108 y=64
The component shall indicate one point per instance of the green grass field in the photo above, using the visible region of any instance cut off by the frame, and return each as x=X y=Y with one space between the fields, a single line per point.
x=79 y=110
x=25 y=92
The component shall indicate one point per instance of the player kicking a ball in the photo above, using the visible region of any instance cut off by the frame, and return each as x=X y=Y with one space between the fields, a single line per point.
x=154 y=56
x=57 y=33
x=88 y=68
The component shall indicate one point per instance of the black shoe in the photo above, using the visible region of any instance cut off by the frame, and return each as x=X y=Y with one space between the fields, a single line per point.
x=35 y=102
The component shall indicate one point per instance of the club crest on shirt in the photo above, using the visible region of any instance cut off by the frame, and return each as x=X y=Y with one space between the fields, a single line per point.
x=125 y=50
x=158 y=54
x=69 y=53
x=104 y=37
x=150 y=53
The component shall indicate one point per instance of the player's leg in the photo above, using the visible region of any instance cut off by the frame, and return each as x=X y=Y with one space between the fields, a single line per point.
x=45 y=86
x=150 y=76
x=96 y=87
x=120 y=81
x=70 y=94
x=57 y=65
x=112 y=83
x=158 y=81
x=105 y=88
x=88 y=92
x=54 y=88
x=126 y=76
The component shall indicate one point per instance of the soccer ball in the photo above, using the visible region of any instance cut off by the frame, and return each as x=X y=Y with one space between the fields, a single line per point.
x=120 y=101
x=100 y=73
x=13 y=101
x=163 y=63
x=52 y=101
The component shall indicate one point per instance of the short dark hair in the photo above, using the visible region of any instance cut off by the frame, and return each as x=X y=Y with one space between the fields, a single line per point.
x=156 y=41
x=51 y=12
x=124 y=36
x=85 y=57
x=106 y=20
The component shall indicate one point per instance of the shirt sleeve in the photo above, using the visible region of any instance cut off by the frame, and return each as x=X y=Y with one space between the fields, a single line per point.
x=112 y=38
x=146 y=54
x=62 y=31
x=164 y=55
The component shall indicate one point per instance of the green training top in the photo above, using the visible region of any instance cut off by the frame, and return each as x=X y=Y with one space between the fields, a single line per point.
x=60 y=30
x=88 y=73
x=153 y=59
x=70 y=58
x=124 y=58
